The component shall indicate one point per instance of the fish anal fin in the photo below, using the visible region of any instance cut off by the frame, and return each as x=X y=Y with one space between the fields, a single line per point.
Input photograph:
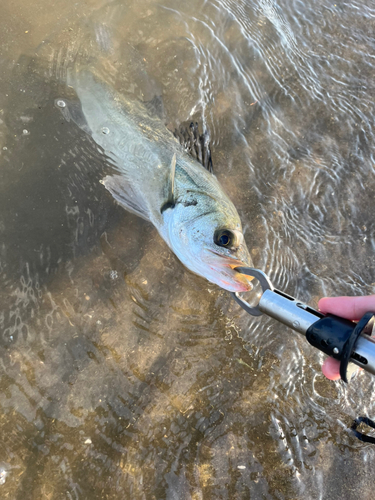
x=155 y=107
x=72 y=110
x=195 y=143
x=126 y=195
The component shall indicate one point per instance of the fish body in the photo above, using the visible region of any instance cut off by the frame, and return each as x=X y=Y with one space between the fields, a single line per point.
x=157 y=180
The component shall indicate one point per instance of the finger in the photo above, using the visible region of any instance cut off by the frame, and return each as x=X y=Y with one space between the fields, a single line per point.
x=331 y=368
x=347 y=307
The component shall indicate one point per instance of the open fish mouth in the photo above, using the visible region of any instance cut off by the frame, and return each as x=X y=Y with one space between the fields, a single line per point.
x=228 y=278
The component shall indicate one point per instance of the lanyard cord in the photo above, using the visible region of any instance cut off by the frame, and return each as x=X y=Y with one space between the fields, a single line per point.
x=360 y=435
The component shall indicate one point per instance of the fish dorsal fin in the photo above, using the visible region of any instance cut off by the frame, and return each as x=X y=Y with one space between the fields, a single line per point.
x=196 y=144
x=170 y=202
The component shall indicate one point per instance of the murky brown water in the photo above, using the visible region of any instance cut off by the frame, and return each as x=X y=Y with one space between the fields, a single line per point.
x=124 y=376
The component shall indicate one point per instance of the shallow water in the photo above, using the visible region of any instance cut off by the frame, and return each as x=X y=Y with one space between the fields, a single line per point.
x=122 y=374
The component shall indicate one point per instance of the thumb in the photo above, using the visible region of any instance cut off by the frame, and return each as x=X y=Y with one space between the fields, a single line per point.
x=347 y=307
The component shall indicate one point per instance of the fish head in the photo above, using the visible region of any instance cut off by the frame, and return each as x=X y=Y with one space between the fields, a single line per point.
x=213 y=245
x=225 y=252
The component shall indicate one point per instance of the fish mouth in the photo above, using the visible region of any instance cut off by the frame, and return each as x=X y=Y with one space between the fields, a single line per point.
x=232 y=280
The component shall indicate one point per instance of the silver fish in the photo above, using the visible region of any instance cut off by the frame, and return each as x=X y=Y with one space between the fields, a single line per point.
x=157 y=180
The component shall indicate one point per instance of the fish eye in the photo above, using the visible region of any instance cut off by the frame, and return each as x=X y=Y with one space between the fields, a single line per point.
x=224 y=238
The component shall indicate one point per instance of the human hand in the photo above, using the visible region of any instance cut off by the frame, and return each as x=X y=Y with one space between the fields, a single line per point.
x=352 y=308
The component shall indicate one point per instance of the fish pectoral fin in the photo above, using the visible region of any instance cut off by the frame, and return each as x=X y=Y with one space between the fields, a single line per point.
x=194 y=143
x=126 y=195
x=170 y=201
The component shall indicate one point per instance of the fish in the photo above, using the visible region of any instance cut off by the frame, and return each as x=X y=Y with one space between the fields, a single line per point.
x=155 y=178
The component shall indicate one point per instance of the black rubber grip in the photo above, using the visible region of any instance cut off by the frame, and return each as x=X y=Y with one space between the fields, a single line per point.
x=330 y=333
x=337 y=337
x=349 y=346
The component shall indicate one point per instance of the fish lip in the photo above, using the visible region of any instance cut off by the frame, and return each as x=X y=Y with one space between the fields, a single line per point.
x=235 y=262
x=242 y=284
